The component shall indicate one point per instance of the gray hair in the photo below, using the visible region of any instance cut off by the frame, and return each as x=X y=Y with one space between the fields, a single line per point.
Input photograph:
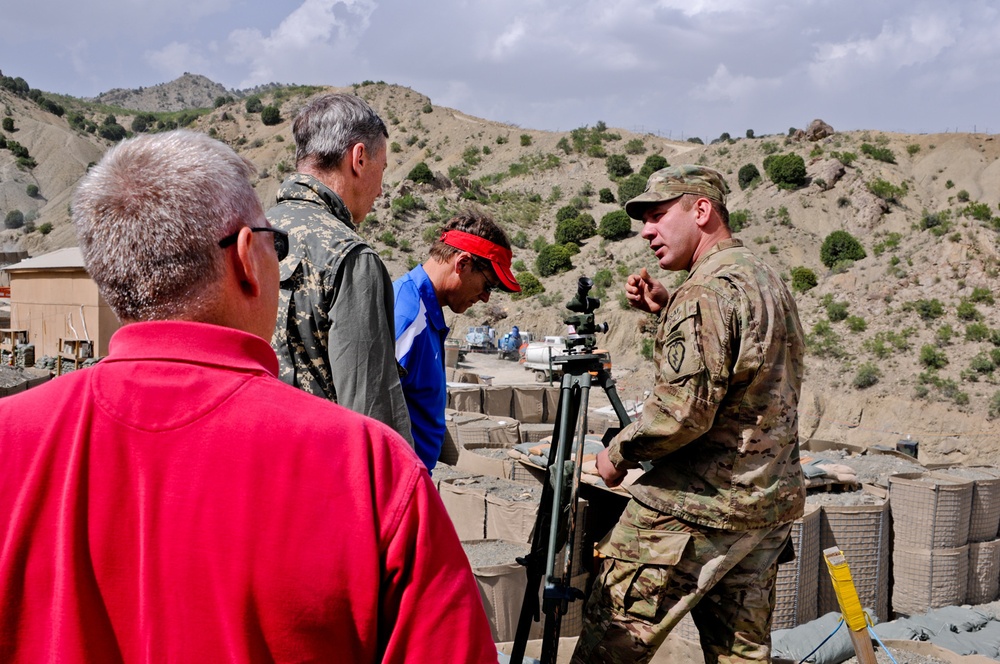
x=328 y=126
x=150 y=215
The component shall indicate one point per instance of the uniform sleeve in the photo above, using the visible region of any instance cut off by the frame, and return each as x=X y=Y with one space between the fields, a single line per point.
x=361 y=343
x=431 y=603
x=693 y=354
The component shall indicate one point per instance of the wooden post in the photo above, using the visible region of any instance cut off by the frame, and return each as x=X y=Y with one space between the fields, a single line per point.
x=850 y=605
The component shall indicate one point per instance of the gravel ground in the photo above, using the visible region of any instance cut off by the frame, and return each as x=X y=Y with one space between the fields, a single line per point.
x=870 y=468
x=487 y=553
x=501 y=488
x=843 y=498
x=970 y=473
x=11 y=376
x=900 y=658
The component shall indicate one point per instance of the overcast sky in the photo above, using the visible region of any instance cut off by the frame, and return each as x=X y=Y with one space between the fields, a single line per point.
x=680 y=68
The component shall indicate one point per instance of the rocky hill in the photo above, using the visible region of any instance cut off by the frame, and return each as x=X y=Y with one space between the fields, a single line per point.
x=188 y=91
x=901 y=342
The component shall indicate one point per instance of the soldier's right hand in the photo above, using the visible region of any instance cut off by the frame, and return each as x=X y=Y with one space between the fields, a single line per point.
x=645 y=293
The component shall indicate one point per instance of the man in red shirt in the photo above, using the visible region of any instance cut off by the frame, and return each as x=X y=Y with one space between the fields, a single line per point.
x=177 y=502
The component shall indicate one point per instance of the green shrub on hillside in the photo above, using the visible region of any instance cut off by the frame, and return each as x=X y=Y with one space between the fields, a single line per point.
x=552 y=259
x=271 y=115
x=254 y=104
x=748 y=175
x=878 y=153
x=566 y=212
x=421 y=174
x=967 y=311
x=977 y=211
x=112 y=131
x=525 y=140
x=653 y=163
x=615 y=225
x=631 y=187
x=635 y=146
x=605 y=196
x=932 y=357
x=13 y=220
x=887 y=191
x=788 y=171
x=618 y=166
x=981 y=295
x=839 y=246
x=739 y=219
x=8 y=124
x=32 y=190
x=575 y=230
x=866 y=376
x=530 y=285
x=803 y=279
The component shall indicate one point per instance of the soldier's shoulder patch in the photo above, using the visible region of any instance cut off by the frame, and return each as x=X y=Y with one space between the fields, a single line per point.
x=674 y=353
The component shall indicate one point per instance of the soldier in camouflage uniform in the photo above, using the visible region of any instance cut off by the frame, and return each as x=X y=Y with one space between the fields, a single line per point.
x=335 y=335
x=710 y=520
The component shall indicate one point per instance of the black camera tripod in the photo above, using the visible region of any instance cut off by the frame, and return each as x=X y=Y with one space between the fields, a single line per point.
x=556 y=522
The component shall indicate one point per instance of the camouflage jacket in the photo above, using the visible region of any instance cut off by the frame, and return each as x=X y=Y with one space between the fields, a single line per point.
x=721 y=426
x=335 y=335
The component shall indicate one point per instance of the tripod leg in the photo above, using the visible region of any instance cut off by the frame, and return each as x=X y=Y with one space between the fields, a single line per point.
x=536 y=562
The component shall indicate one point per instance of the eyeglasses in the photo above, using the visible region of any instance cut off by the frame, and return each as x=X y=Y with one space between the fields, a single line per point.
x=280 y=240
x=488 y=285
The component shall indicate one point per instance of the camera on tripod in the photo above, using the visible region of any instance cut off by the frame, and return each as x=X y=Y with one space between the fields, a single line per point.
x=583 y=329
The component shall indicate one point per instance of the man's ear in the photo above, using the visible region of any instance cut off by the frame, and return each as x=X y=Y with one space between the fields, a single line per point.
x=359 y=157
x=463 y=261
x=703 y=210
x=246 y=265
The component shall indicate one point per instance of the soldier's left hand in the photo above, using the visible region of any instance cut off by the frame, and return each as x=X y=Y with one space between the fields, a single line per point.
x=611 y=475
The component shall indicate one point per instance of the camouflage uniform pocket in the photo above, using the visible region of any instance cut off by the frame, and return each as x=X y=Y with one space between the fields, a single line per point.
x=639 y=568
x=680 y=352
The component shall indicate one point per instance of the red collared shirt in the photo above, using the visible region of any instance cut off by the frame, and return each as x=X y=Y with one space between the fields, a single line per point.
x=176 y=502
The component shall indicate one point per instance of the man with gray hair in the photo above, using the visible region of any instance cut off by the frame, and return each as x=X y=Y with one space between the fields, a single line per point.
x=335 y=332
x=176 y=501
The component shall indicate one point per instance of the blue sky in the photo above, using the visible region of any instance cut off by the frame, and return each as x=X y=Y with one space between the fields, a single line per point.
x=680 y=68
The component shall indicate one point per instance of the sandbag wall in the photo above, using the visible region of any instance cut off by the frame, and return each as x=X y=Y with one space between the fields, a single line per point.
x=493 y=499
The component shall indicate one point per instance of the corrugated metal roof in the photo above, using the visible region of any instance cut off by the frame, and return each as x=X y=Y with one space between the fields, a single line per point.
x=71 y=257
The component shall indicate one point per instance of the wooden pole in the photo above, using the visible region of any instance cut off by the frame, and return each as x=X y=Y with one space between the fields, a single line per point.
x=850 y=605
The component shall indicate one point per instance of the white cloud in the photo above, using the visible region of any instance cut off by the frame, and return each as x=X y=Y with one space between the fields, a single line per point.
x=912 y=40
x=508 y=41
x=177 y=57
x=724 y=86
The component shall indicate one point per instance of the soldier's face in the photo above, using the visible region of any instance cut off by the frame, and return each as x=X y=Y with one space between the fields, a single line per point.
x=672 y=234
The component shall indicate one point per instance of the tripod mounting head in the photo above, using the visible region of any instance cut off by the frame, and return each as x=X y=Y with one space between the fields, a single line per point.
x=583 y=339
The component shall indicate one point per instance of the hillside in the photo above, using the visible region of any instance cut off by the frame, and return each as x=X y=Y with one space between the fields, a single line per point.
x=922 y=296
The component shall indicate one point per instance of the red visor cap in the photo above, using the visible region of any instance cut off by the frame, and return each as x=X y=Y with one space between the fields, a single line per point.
x=479 y=246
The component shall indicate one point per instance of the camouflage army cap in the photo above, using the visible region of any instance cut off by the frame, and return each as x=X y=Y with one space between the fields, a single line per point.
x=668 y=183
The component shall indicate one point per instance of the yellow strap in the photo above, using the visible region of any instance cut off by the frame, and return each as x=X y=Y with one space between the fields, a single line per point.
x=843 y=586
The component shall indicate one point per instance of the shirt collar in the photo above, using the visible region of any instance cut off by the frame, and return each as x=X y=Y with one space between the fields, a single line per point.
x=197 y=343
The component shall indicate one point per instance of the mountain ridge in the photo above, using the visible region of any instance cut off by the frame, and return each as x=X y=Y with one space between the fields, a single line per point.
x=932 y=241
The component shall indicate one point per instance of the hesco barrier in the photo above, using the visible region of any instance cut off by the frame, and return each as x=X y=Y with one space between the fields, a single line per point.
x=928 y=578
x=930 y=511
x=795 y=587
x=861 y=532
x=501 y=584
x=984 y=572
x=984 y=518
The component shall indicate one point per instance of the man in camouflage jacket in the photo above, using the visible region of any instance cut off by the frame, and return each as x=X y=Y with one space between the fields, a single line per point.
x=335 y=335
x=710 y=518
